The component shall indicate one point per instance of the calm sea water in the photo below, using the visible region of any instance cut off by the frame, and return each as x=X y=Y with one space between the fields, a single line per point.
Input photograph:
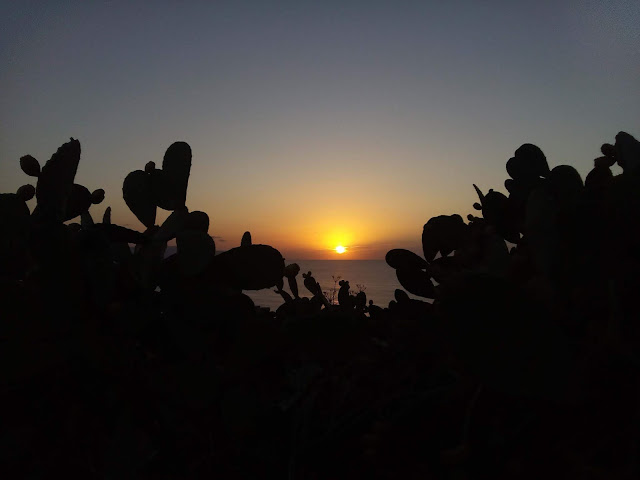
x=378 y=280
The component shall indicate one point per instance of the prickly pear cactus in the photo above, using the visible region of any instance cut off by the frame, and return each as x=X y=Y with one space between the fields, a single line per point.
x=106 y=218
x=137 y=194
x=401 y=258
x=343 y=294
x=145 y=190
x=528 y=162
x=251 y=267
x=30 y=166
x=196 y=249
x=55 y=182
x=416 y=282
x=246 y=239
x=174 y=223
x=97 y=196
x=291 y=271
x=444 y=234
x=78 y=202
x=627 y=152
x=169 y=185
x=26 y=192
x=198 y=221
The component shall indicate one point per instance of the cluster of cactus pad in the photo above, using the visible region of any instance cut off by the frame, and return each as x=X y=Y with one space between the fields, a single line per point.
x=519 y=359
x=553 y=246
x=59 y=200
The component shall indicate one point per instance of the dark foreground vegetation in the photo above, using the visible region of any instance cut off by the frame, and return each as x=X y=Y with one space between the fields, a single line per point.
x=524 y=362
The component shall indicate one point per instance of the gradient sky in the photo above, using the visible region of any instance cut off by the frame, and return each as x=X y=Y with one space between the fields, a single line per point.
x=314 y=124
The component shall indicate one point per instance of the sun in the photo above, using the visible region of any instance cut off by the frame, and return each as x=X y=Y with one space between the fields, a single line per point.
x=340 y=249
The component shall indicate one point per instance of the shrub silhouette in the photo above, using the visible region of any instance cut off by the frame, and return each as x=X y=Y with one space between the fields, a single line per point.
x=521 y=361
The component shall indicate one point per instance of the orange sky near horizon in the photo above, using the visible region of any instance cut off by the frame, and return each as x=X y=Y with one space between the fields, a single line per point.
x=313 y=232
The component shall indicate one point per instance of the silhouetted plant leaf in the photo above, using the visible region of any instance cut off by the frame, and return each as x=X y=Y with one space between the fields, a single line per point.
x=55 y=182
x=400 y=296
x=78 y=202
x=598 y=178
x=443 y=267
x=26 y=192
x=163 y=191
x=251 y=267
x=311 y=284
x=566 y=184
x=499 y=212
x=174 y=223
x=291 y=271
x=198 y=221
x=416 y=281
x=444 y=234
x=343 y=294
x=479 y=192
x=528 y=162
x=106 y=218
x=627 y=152
x=196 y=249
x=608 y=150
x=170 y=183
x=604 y=161
x=30 y=166
x=401 y=258
x=97 y=196
x=137 y=194
x=285 y=296
x=85 y=220
x=495 y=208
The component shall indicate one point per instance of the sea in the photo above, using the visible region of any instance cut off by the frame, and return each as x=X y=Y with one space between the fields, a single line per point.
x=374 y=277
x=377 y=279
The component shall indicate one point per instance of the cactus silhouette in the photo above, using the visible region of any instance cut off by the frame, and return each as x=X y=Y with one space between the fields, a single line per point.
x=122 y=361
x=137 y=194
x=55 y=181
x=291 y=271
x=344 y=299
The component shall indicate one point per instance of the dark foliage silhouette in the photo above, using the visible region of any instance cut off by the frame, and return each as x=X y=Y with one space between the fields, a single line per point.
x=522 y=361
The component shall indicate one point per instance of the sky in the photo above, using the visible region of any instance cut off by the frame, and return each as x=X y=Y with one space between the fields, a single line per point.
x=316 y=124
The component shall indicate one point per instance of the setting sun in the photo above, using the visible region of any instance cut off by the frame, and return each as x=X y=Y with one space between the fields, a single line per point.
x=340 y=249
